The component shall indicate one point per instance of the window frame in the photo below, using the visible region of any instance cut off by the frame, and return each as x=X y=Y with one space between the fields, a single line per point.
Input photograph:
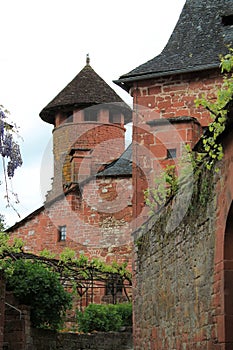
x=62 y=231
x=91 y=115
x=171 y=153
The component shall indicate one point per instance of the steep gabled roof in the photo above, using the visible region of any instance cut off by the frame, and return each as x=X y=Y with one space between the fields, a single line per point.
x=86 y=89
x=120 y=167
x=201 y=34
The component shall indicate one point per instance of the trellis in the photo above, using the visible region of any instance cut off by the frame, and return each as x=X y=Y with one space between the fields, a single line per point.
x=84 y=276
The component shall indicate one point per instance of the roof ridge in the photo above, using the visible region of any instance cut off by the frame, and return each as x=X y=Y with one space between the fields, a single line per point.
x=85 y=89
x=197 y=40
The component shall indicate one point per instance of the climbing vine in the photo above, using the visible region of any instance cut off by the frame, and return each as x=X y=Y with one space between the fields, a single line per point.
x=218 y=111
x=167 y=183
x=78 y=275
x=165 y=186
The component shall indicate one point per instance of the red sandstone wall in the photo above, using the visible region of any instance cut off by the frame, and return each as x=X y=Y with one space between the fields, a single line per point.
x=194 y=310
x=98 y=224
x=223 y=269
x=101 y=143
x=174 y=96
x=159 y=99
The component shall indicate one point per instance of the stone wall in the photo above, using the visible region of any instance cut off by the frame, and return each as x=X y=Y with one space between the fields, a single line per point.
x=17 y=334
x=97 y=225
x=94 y=143
x=174 y=96
x=174 y=264
x=67 y=341
x=170 y=99
x=16 y=325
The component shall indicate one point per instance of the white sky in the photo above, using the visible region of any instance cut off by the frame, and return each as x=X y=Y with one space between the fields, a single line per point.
x=44 y=45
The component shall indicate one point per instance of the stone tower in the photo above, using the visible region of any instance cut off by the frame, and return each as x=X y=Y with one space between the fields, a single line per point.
x=88 y=118
x=164 y=89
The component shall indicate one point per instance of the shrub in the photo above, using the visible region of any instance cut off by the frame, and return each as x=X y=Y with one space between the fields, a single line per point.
x=37 y=286
x=125 y=311
x=104 y=318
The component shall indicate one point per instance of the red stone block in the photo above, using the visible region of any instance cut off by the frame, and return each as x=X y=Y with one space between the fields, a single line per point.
x=154 y=90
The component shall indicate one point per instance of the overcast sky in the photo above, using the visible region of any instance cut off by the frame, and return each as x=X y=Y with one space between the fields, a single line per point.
x=44 y=45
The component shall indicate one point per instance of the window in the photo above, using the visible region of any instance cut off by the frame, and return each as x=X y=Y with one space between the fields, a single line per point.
x=115 y=118
x=90 y=115
x=62 y=233
x=69 y=118
x=227 y=20
x=171 y=153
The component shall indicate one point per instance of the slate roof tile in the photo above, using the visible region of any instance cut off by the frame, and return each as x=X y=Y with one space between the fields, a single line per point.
x=202 y=33
x=120 y=167
x=86 y=89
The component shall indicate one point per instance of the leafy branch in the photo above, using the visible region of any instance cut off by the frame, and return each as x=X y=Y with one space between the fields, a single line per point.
x=218 y=112
x=10 y=154
x=166 y=186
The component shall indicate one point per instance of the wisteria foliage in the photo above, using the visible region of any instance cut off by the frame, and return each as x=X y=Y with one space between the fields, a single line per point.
x=9 y=148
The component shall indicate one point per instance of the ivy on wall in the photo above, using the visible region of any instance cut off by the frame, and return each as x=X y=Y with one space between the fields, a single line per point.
x=168 y=182
x=218 y=111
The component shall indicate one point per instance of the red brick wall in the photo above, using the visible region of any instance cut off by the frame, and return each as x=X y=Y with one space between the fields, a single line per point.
x=174 y=96
x=17 y=324
x=223 y=270
x=102 y=143
x=162 y=99
x=183 y=287
x=192 y=311
x=98 y=223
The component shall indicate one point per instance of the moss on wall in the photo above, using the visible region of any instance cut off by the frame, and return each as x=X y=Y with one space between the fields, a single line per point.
x=174 y=270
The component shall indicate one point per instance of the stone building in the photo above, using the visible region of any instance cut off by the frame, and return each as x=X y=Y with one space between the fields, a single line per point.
x=183 y=288
x=89 y=207
x=183 y=258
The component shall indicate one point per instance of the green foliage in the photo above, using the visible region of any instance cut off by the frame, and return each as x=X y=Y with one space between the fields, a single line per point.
x=47 y=254
x=87 y=266
x=5 y=246
x=104 y=318
x=166 y=186
x=218 y=110
x=67 y=255
x=125 y=311
x=2 y=223
x=34 y=282
x=40 y=288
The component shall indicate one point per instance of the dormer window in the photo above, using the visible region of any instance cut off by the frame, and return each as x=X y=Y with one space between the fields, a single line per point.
x=227 y=20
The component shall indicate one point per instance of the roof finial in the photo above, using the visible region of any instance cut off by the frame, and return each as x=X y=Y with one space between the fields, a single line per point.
x=88 y=59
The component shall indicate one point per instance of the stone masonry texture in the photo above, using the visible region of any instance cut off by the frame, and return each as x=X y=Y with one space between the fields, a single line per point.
x=173 y=296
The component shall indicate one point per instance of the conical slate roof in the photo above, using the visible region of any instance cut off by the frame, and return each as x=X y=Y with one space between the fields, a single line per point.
x=86 y=89
x=201 y=34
